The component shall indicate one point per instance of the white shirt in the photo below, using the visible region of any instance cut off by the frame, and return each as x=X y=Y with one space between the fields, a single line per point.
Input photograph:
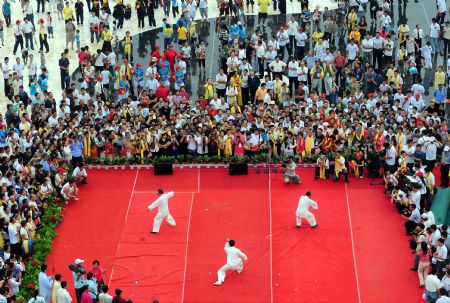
x=430 y=151
x=104 y=298
x=27 y=27
x=442 y=6
x=443 y=299
x=283 y=38
x=352 y=50
x=13 y=233
x=442 y=253
x=390 y=153
x=277 y=66
x=378 y=42
x=305 y=203
x=409 y=150
x=301 y=38
x=18 y=68
x=302 y=74
x=432 y=283
x=434 y=30
x=390 y=48
x=234 y=255
x=367 y=45
x=293 y=69
x=162 y=203
x=415 y=198
x=292 y=27
x=77 y=172
x=221 y=78
x=63 y=296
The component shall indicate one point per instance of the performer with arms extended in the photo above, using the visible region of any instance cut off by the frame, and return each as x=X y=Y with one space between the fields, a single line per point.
x=163 y=210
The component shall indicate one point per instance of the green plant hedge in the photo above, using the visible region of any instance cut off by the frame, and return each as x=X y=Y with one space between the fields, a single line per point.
x=42 y=245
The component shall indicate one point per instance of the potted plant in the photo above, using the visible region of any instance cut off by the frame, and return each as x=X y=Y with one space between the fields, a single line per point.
x=138 y=162
x=215 y=159
x=226 y=159
x=115 y=162
x=88 y=161
x=207 y=161
x=149 y=161
x=106 y=162
x=98 y=162
x=123 y=162
x=131 y=162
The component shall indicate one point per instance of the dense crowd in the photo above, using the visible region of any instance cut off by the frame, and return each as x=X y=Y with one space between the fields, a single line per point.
x=330 y=87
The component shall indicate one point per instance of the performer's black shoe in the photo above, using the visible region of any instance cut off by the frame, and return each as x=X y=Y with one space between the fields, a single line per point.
x=315 y=226
x=298 y=226
x=153 y=232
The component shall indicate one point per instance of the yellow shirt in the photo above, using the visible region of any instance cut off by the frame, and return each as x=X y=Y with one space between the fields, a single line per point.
x=107 y=36
x=67 y=12
x=263 y=6
x=182 y=33
x=168 y=32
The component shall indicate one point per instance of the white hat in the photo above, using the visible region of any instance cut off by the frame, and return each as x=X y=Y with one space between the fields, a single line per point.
x=424 y=216
x=447 y=148
x=79 y=261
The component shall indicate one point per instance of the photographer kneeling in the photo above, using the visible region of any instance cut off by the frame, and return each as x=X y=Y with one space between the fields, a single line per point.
x=290 y=174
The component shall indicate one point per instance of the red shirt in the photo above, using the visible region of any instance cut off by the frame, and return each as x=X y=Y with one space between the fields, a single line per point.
x=162 y=92
x=155 y=54
x=339 y=61
x=171 y=55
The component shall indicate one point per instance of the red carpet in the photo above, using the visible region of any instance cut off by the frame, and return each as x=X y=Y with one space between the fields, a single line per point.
x=235 y=207
x=92 y=226
x=180 y=263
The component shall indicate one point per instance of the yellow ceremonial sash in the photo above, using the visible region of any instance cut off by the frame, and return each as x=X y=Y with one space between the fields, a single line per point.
x=309 y=145
x=87 y=146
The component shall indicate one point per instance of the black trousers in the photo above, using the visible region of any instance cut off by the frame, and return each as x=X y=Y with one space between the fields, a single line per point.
x=377 y=57
x=78 y=293
x=16 y=249
x=6 y=87
x=43 y=42
x=444 y=175
x=7 y=20
x=221 y=93
x=63 y=80
x=261 y=67
x=293 y=81
x=245 y=95
x=80 y=17
x=76 y=161
x=39 y=4
x=19 y=41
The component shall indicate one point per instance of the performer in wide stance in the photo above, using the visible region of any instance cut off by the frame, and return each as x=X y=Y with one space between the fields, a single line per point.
x=234 y=261
x=304 y=204
x=163 y=210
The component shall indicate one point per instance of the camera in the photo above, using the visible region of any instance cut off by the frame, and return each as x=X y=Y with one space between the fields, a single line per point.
x=78 y=269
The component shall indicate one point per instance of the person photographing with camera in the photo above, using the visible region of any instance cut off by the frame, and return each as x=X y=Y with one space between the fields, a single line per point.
x=290 y=174
x=79 y=281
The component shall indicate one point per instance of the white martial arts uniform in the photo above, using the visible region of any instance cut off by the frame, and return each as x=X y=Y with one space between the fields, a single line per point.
x=234 y=262
x=303 y=211
x=163 y=211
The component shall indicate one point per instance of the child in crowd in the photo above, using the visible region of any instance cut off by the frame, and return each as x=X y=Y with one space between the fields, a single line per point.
x=78 y=40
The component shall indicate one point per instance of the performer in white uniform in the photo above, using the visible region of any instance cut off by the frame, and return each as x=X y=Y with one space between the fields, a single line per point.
x=234 y=261
x=163 y=210
x=304 y=204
